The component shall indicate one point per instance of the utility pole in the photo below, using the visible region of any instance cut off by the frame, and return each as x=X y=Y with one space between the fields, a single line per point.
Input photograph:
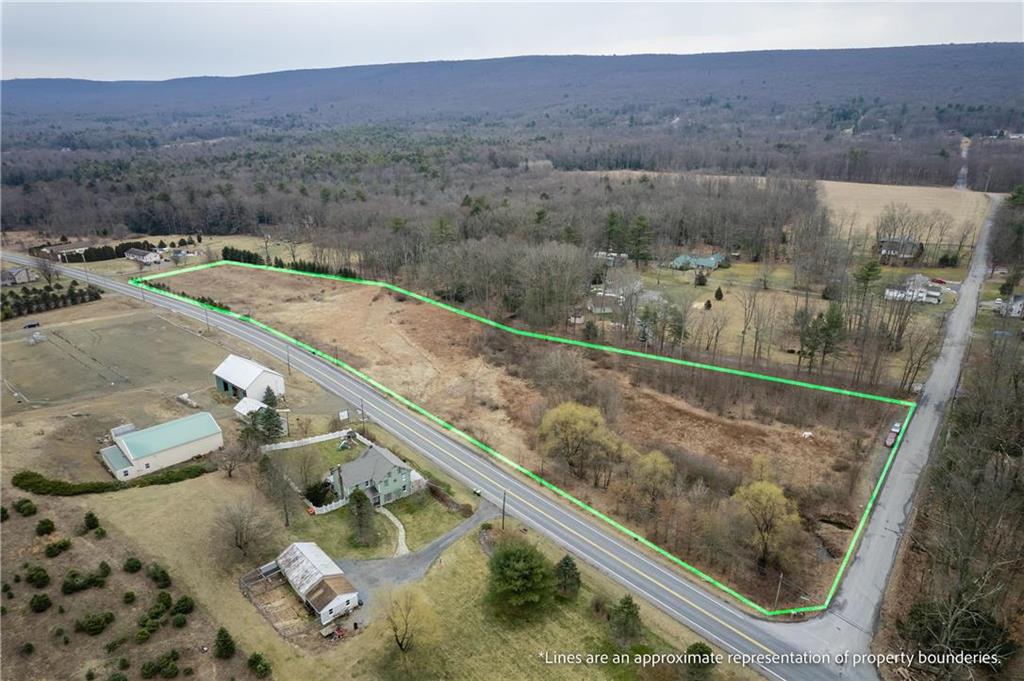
x=362 y=416
x=206 y=311
x=504 y=494
x=288 y=357
x=778 y=590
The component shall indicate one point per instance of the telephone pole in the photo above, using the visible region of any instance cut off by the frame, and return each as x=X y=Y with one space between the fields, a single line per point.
x=504 y=494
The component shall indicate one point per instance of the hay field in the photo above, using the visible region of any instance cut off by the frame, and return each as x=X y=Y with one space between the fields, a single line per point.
x=862 y=204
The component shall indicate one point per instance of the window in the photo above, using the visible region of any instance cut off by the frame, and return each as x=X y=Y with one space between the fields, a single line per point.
x=147 y=466
x=125 y=472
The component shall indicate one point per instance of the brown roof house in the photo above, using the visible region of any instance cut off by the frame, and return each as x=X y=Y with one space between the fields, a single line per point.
x=318 y=581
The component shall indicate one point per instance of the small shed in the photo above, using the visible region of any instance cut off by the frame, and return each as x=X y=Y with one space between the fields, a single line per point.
x=697 y=262
x=318 y=581
x=241 y=377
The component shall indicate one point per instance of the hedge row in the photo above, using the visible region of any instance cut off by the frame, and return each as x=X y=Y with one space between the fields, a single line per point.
x=37 y=483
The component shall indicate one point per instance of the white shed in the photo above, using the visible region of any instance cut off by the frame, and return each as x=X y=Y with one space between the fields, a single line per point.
x=243 y=377
x=318 y=581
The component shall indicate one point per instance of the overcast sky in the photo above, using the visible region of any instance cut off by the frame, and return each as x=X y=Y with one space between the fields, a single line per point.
x=114 y=41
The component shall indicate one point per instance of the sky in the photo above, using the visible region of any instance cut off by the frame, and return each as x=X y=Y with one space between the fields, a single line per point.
x=155 y=41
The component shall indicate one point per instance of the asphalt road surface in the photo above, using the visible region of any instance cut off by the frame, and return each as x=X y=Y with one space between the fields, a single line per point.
x=848 y=624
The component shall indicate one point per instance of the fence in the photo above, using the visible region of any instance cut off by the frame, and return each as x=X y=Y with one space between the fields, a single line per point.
x=292 y=444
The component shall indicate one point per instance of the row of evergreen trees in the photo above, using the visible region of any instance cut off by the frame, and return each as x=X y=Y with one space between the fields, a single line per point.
x=50 y=297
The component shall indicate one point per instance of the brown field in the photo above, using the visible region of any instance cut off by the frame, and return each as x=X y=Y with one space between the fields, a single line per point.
x=432 y=357
x=864 y=203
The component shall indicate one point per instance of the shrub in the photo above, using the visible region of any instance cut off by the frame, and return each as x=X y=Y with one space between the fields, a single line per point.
x=104 y=569
x=27 y=649
x=25 y=507
x=142 y=635
x=159 y=575
x=129 y=597
x=184 y=606
x=166 y=666
x=44 y=527
x=223 y=645
x=132 y=565
x=100 y=533
x=37 y=483
x=259 y=666
x=117 y=676
x=58 y=547
x=165 y=600
x=115 y=644
x=40 y=603
x=486 y=526
x=123 y=663
x=91 y=521
x=37 y=576
x=94 y=623
x=75 y=581
x=179 y=621
x=4 y=515
x=90 y=675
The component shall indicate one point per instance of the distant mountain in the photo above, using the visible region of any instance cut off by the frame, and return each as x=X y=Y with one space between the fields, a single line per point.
x=983 y=74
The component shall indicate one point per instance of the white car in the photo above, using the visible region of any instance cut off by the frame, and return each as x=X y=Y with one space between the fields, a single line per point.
x=896 y=427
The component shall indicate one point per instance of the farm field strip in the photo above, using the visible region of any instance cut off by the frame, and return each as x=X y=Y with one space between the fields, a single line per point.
x=142 y=283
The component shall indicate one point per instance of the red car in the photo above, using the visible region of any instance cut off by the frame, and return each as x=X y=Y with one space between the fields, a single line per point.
x=890 y=438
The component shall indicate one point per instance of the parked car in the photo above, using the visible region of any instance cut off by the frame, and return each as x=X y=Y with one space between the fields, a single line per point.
x=890 y=438
x=896 y=427
x=31 y=325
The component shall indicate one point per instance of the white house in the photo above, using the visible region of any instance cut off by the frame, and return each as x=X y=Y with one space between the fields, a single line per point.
x=143 y=256
x=138 y=452
x=318 y=581
x=243 y=377
x=1013 y=308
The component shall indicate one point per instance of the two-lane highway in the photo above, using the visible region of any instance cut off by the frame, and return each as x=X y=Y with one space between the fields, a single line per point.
x=847 y=626
x=617 y=556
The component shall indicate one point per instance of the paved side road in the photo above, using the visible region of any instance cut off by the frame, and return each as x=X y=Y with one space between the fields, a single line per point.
x=848 y=624
x=853 y=617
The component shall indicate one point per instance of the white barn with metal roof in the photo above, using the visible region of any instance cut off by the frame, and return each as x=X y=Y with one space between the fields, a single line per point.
x=243 y=377
x=318 y=581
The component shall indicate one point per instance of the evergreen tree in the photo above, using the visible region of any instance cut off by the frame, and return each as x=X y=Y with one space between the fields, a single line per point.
x=223 y=645
x=521 y=580
x=269 y=397
x=718 y=293
x=362 y=518
x=625 y=620
x=567 y=577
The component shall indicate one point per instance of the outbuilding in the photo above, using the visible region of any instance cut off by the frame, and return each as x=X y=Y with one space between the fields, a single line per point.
x=318 y=581
x=138 y=452
x=241 y=377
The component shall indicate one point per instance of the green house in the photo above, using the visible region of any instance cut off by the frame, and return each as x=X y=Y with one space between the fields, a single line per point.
x=381 y=475
x=698 y=262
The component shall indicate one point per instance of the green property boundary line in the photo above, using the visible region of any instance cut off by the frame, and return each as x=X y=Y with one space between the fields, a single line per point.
x=141 y=282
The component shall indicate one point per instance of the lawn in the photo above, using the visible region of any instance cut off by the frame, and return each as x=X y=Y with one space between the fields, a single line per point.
x=321 y=457
x=332 y=531
x=473 y=644
x=425 y=519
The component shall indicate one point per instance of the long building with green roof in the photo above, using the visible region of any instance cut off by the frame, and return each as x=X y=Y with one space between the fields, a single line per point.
x=138 y=452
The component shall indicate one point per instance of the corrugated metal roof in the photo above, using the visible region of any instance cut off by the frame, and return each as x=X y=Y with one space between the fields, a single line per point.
x=304 y=564
x=239 y=371
x=142 y=443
